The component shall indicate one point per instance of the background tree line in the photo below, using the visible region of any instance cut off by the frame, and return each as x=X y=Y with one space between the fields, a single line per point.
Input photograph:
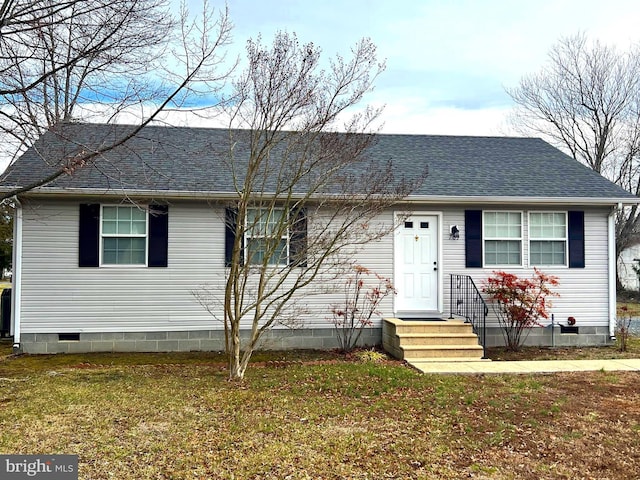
x=586 y=101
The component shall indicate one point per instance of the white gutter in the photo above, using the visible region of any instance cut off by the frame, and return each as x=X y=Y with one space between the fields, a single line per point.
x=611 y=224
x=449 y=199
x=519 y=200
x=16 y=294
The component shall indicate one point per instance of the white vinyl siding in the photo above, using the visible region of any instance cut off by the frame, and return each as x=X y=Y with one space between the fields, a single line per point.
x=583 y=291
x=60 y=297
x=547 y=238
x=502 y=238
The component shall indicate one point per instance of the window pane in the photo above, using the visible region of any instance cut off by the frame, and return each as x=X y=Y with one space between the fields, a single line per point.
x=535 y=231
x=560 y=219
x=535 y=220
x=139 y=227
x=514 y=231
x=124 y=251
x=264 y=236
x=110 y=213
x=255 y=223
x=548 y=253
x=109 y=227
x=109 y=252
x=547 y=231
x=560 y=231
x=502 y=225
x=280 y=254
x=138 y=251
x=505 y=252
x=263 y=222
x=255 y=250
x=502 y=231
x=138 y=214
x=274 y=221
x=548 y=225
x=124 y=227
x=123 y=221
x=502 y=218
x=251 y=216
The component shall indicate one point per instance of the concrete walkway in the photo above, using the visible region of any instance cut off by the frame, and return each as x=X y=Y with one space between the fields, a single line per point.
x=538 y=366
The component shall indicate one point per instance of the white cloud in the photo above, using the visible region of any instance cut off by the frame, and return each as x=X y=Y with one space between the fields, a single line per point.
x=408 y=117
x=448 y=62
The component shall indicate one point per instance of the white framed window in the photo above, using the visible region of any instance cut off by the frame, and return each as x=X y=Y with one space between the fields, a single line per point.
x=266 y=233
x=502 y=233
x=548 y=238
x=123 y=234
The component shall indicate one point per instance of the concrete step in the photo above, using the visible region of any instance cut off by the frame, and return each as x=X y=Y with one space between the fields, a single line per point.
x=434 y=327
x=441 y=351
x=435 y=339
x=465 y=338
x=448 y=360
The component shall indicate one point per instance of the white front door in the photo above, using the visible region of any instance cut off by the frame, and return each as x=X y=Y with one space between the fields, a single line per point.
x=416 y=265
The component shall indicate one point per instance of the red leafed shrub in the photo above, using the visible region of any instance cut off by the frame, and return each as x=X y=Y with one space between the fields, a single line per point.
x=361 y=301
x=519 y=303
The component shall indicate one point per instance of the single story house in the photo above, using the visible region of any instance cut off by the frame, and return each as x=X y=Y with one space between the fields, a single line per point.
x=94 y=272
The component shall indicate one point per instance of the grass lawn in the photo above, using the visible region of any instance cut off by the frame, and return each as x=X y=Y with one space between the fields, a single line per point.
x=309 y=415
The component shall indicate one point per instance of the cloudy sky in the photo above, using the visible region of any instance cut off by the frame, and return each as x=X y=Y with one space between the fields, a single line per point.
x=448 y=62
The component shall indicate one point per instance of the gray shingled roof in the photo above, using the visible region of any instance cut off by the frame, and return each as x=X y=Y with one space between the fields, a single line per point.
x=181 y=159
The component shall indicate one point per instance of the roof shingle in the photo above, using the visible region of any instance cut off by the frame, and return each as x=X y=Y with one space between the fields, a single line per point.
x=182 y=159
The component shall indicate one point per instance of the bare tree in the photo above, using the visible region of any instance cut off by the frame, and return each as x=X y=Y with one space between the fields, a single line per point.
x=307 y=196
x=62 y=61
x=586 y=101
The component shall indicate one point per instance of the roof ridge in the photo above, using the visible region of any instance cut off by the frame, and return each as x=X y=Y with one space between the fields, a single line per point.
x=380 y=134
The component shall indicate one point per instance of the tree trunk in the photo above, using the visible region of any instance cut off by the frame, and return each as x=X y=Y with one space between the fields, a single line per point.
x=236 y=370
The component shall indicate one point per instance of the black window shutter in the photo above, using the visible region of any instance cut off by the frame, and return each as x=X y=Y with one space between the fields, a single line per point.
x=89 y=235
x=576 y=239
x=158 y=235
x=298 y=239
x=230 y=223
x=473 y=238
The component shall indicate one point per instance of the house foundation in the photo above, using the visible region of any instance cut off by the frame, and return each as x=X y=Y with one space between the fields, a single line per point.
x=318 y=338
x=182 y=341
x=549 y=337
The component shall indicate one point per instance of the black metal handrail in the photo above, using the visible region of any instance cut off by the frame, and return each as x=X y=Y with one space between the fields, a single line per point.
x=467 y=302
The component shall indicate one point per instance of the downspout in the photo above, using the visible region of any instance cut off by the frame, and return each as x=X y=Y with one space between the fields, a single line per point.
x=16 y=296
x=612 y=269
